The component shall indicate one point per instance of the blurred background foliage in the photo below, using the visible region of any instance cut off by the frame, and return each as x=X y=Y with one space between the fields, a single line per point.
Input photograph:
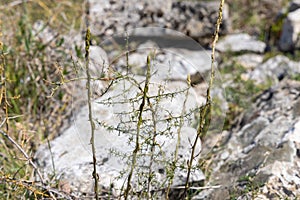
x=29 y=67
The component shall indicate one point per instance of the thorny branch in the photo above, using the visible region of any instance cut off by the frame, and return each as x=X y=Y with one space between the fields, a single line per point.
x=205 y=112
x=139 y=124
x=92 y=124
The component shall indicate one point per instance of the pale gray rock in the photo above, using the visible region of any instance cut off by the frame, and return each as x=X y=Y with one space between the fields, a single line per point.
x=150 y=45
x=249 y=61
x=157 y=5
x=290 y=32
x=193 y=28
x=120 y=16
x=99 y=63
x=250 y=131
x=182 y=62
x=168 y=63
x=153 y=32
x=241 y=42
x=200 y=18
x=274 y=70
x=115 y=128
x=264 y=152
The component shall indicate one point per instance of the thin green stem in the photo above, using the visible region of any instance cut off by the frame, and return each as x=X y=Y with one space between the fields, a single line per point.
x=173 y=167
x=153 y=142
x=92 y=124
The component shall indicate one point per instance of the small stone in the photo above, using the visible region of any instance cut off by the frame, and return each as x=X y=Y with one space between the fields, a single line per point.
x=274 y=70
x=225 y=155
x=290 y=31
x=239 y=43
x=194 y=28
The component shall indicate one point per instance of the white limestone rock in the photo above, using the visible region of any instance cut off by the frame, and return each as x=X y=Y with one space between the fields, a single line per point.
x=241 y=42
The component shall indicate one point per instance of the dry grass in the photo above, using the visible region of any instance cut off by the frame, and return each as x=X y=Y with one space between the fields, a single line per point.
x=28 y=67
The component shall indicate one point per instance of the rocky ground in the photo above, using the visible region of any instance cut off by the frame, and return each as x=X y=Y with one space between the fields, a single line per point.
x=252 y=147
